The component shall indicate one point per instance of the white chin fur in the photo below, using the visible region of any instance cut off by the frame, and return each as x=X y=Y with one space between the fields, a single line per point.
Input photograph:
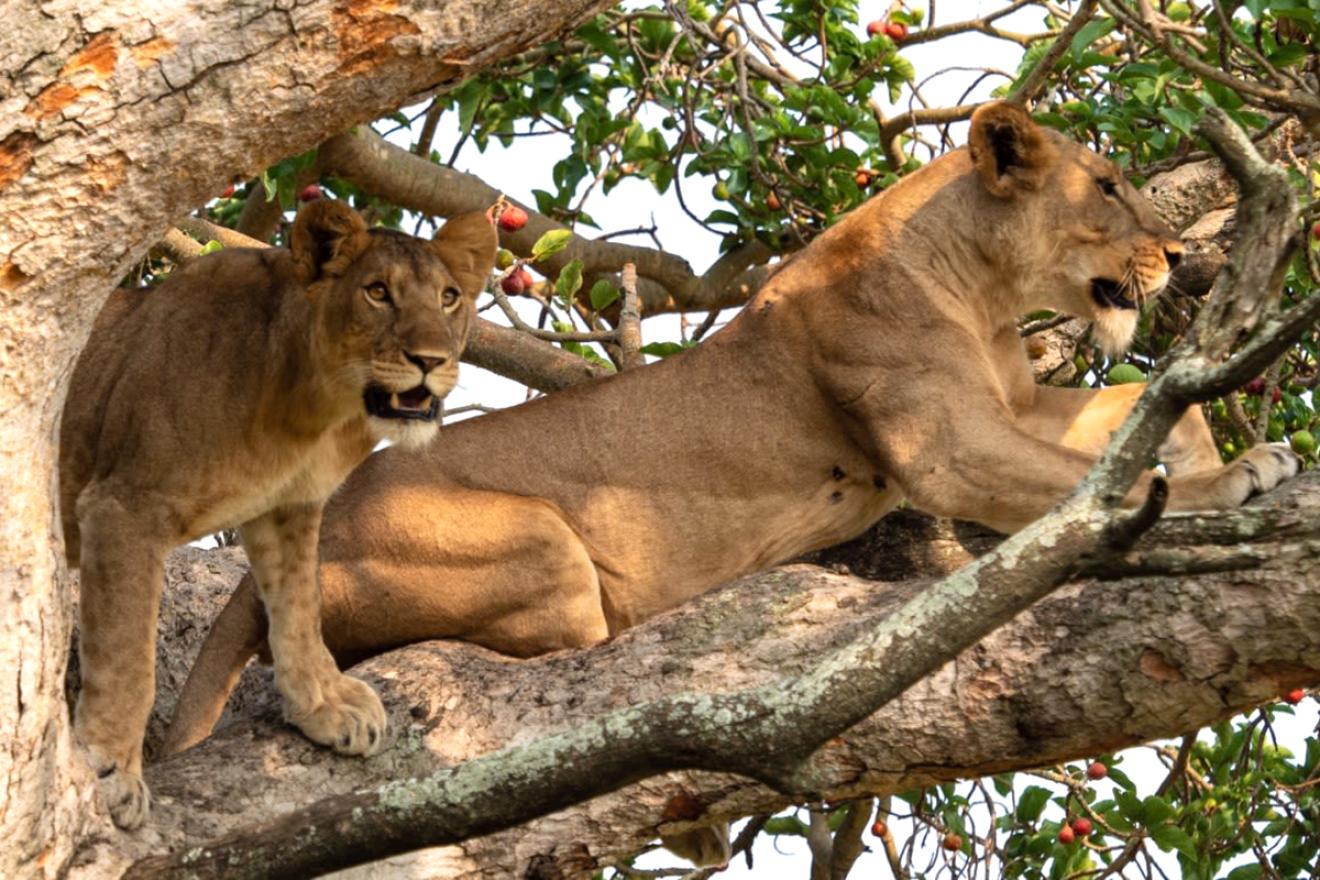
x=402 y=432
x=1113 y=329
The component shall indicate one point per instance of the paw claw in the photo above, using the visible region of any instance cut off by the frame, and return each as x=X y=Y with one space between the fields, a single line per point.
x=126 y=797
x=350 y=718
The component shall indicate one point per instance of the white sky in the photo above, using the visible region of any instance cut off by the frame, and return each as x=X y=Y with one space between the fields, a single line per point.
x=527 y=165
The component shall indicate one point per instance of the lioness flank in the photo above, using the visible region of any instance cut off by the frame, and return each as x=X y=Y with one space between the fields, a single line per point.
x=241 y=392
x=881 y=363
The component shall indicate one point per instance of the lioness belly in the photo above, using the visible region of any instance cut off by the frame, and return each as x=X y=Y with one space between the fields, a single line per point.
x=660 y=553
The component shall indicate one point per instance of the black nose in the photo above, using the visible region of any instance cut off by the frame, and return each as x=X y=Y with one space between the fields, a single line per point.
x=1173 y=257
x=426 y=363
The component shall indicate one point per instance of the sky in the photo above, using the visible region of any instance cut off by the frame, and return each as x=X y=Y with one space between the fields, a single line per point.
x=527 y=165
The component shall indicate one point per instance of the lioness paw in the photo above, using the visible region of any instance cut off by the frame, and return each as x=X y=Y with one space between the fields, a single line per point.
x=1267 y=466
x=349 y=719
x=125 y=796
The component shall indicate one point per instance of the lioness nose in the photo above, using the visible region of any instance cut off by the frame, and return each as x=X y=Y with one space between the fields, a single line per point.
x=1173 y=254
x=426 y=363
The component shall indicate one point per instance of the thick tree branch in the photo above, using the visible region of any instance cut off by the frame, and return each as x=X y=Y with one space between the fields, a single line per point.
x=1099 y=665
x=666 y=281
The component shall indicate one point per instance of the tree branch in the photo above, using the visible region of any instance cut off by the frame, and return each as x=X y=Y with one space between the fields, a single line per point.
x=1065 y=679
x=666 y=281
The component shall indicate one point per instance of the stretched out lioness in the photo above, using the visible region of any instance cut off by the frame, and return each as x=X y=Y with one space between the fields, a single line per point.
x=883 y=362
x=242 y=392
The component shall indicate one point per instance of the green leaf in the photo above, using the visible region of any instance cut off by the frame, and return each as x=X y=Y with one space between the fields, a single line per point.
x=1090 y=32
x=1032 y=802
x=1181 y=119
x=1171 y=837
x=211 y=247
x=551 y=243
x=569 y=281
x=662 y=349
x=268 y=183
x=602 y=294
x=1155 y=810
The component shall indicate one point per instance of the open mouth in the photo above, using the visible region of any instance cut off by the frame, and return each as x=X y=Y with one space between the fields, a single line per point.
x=1110 y=293
x=417 y=403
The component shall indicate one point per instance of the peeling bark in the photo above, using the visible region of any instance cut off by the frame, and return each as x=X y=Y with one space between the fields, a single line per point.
x=1140 y=651
x=114 y=121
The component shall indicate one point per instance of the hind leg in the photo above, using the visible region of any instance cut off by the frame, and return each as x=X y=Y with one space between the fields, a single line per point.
x=120 y=584
x=507 y=572
x=329 y=707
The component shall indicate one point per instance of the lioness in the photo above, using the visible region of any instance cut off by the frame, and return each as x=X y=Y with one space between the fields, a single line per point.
x=882 y=362
x=243 y=391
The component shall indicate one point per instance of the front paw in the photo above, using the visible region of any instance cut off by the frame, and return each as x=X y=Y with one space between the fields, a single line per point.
x=1266 y=466
x=348 y=718
x=125 y=795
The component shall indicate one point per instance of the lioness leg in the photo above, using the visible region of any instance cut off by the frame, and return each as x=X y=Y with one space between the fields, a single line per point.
x=1083 y=419
x=331 y=708
x=122 y=572
x=503 y=571
x=982 y=466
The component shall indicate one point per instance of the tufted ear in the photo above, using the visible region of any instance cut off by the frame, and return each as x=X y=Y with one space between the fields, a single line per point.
x=327 y=236
x=1010 y=151
x=467 y=245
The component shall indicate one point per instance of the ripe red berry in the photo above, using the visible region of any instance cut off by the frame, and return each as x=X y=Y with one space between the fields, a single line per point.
x=951 y=842
x=1082 y=826
x=1066 y=835
x=772 y=202
x=228 y=193
x=879 y=828
x=1315 y=230
x=310 y=193
x=1256 y=386
x=1294 y=696
x=516 y=282
x=1278 y=395
x=896 y=31
x=876 y=27
x=513 y=218
x=1097 y=770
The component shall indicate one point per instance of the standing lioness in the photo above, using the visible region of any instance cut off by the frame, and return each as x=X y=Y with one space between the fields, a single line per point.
x=241 y=392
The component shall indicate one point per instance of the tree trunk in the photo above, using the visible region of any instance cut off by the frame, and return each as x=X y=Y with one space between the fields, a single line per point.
x=113 y=124
x=1171 y=638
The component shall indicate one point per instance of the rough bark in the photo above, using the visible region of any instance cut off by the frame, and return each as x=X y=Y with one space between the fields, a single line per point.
x=1143 y=650
x=114 y=121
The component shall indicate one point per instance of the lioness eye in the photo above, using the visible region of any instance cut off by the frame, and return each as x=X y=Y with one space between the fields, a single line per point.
x=377 y=292
x=449 y=297
x=1107 y=186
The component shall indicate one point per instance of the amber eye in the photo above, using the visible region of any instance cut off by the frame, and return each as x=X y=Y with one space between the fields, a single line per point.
x=377 y=293
x=449 y=297
x=1107 y=186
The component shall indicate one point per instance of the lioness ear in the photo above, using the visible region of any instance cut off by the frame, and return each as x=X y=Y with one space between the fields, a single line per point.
x=327 y=236
x=1010 y=152
x=467 y=245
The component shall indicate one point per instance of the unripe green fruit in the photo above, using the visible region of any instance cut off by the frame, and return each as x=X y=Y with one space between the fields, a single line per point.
x=1123 y=374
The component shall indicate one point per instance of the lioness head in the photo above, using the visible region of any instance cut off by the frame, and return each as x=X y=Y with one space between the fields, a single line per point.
x=393 y=311
x=1076 y=236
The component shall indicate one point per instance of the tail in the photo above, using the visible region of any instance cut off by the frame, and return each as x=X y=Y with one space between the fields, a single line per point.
x=238 y=633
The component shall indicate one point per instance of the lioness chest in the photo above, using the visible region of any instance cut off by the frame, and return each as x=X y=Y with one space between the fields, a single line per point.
x=280 y=474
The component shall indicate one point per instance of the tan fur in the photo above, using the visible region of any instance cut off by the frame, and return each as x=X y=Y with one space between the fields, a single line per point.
x=882 y=362
x=234 y=395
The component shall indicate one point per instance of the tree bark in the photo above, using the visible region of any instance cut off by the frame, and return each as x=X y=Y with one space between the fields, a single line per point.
x=1170 y=638
x=112 y=124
